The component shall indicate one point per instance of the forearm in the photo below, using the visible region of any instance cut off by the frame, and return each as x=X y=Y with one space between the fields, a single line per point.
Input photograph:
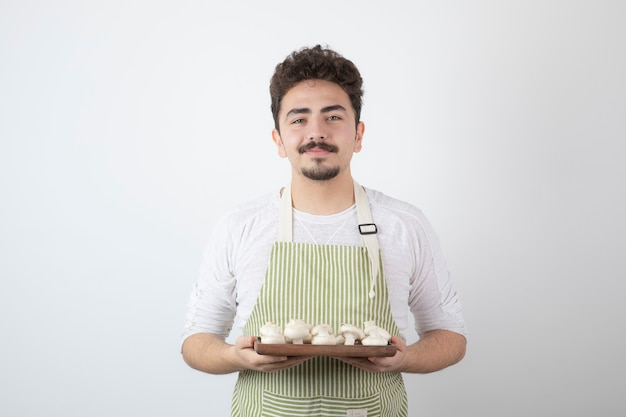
x=435 y=350
x=210 y=353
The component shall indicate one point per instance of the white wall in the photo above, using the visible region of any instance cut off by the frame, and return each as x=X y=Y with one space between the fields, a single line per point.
x=127 y=127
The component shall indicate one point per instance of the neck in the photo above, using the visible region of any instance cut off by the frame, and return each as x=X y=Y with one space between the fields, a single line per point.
x=322 y=197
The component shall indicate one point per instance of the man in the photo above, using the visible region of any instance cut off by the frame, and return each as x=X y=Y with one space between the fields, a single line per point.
x=311 y=252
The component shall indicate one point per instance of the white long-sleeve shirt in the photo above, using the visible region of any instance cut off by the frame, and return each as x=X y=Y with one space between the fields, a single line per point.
x=238 y=251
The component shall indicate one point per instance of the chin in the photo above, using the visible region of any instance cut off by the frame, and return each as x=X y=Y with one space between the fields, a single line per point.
x=317 y=175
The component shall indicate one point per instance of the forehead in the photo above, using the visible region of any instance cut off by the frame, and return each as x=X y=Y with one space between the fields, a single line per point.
x=314 y=94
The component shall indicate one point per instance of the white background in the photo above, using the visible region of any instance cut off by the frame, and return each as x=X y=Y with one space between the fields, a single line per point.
x=127 y=127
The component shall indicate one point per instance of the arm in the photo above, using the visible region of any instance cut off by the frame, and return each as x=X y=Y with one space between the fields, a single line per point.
x=435 y=350
x=210 y=353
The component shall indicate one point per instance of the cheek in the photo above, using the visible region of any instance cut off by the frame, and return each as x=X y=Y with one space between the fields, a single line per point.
x=287 y=146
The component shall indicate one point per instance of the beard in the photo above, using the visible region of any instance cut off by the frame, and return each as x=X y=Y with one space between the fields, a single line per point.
x=319 y=172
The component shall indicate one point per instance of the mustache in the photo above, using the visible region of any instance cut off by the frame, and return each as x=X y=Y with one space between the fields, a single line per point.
x=320 y=145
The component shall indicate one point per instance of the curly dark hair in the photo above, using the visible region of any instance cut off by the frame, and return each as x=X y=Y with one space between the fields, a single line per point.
x=316 y=63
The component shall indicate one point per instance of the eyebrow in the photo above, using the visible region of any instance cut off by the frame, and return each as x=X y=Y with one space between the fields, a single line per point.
x=333 y=108
x=306 y=110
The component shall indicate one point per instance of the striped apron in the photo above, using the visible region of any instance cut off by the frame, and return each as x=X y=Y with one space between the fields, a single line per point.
x=321 y=284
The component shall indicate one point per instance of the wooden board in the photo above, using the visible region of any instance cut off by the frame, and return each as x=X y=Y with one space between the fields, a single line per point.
x=289 y=349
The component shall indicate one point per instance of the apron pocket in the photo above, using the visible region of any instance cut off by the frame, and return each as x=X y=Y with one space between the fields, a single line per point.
x=276 y=405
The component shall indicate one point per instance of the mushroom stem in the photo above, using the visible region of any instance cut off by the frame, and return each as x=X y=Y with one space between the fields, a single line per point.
x=350 y=339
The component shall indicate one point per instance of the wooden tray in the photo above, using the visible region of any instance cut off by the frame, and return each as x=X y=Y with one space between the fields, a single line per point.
x=289 y=349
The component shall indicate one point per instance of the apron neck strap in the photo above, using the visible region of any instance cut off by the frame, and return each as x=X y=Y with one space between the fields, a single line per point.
x=368 y=231
x=285 y=219
x=367 y=228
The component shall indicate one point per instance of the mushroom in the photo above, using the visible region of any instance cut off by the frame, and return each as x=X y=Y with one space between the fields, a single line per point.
x=351 y=333
x=323 y=335
x=375 y=340
x=271 y=333
x=309 y=337
x=296 y=331
x=376 y=336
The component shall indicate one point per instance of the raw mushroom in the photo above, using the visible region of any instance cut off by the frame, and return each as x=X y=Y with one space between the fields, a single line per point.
x=376 y=336
x=375 y=340
x=370 y=328
x=309 y=337
x=323 y=335
x=271 y=333
x=351 y=333
x=296 y=331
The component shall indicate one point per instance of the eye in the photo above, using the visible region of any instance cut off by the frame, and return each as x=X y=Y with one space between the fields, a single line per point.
x=298 y=121
x=334 y=117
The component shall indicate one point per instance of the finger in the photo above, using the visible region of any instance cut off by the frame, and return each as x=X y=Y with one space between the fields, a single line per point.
x=399 y=342
x=288 y=362
x=244 y=342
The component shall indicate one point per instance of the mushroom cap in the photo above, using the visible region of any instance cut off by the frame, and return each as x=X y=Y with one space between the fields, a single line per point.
x=322 y=329
x=375 y=340
x=369 y=323
x=371 y=329
x=351 y=329
x=270 y=329
x=324 y=339
x=273 y=339
x=296 y=329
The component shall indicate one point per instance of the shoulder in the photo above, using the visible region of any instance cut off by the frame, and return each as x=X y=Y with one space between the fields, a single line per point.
x=254 y=212
x=399 y=219
x=253 y=207
x=390 y=206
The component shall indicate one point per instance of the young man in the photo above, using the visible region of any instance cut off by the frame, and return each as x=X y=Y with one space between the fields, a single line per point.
x=306 y=252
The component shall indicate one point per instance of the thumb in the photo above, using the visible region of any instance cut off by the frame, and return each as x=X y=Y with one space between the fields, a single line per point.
x=398 y=341
x=245 y=341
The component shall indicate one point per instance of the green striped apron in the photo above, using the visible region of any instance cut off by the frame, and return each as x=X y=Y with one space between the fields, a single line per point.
x=321 y=284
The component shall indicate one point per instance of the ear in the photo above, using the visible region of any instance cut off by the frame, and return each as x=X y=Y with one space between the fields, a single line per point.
x=279 y=143
x=358 y=140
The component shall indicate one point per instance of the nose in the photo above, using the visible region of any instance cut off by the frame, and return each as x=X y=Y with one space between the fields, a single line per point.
x=316 y=130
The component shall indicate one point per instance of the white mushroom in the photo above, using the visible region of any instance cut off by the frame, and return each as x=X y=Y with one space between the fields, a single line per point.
x=375 y=340
x=376 y=336
x=351 y=333
x=296 y=331
x=309 y=337
x=323 y=335
x=271 y=333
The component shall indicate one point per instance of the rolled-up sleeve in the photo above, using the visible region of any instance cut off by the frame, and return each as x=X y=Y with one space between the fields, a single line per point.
x=433 y=300
x=212 y=304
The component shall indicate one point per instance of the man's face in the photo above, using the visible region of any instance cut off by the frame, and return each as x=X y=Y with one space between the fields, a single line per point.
x=318 y=130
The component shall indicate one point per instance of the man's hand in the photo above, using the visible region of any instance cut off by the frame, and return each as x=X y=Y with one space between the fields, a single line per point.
x=381 y=364
x=244 y=348
x=434 y=351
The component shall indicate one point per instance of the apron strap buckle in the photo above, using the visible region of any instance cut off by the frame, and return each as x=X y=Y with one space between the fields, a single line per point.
x=368 y=229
